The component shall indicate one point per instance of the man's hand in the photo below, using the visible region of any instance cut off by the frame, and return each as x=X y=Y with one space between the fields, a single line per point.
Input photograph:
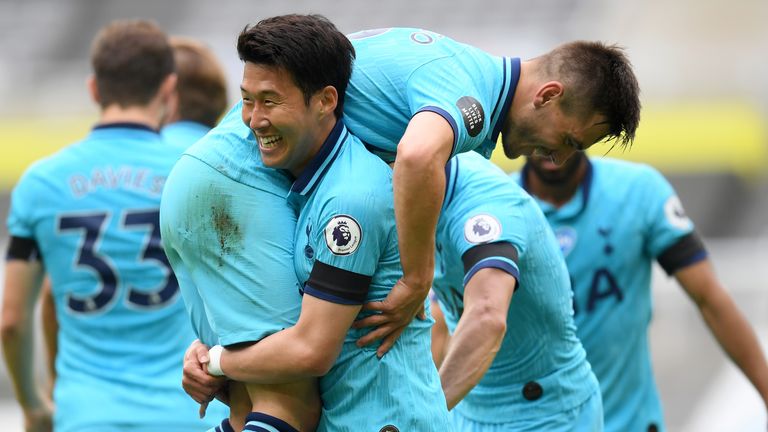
x=39 y=419
x=395 y=313
x=195 y=379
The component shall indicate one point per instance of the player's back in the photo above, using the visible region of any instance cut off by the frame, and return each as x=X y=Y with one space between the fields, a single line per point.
x=399 y=72
x=226 y=224
x=541 y=368
x=184 y=132
x=94 y=209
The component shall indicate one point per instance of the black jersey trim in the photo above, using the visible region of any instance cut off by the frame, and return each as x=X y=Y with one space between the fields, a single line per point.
x=337 y=285
x=22 y=248
x=447 y=116
x=686 y=251
x=487 y=255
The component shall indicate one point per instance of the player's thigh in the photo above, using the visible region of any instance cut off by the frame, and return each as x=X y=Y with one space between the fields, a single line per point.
x=296 y=403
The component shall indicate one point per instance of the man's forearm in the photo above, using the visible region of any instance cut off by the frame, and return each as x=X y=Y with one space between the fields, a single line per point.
x=473 y=347
x=734 y=333
x=419 y=191
x=729 y=326
x=280 y=358
x=18 y=349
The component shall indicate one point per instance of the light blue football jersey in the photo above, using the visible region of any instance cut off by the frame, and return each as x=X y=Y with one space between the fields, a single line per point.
x=184 y=132
x=347 y=252
x=93 y=209
x=399 y=72
x=227 y=225
x=540 y=371
x=624 y=216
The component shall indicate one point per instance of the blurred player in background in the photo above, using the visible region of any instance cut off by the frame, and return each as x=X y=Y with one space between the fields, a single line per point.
x=423 y=97
x=88 y=217
x=613 y=219
x=513 y=362
x=200 y=100
x=345 y=240
x=201 y=92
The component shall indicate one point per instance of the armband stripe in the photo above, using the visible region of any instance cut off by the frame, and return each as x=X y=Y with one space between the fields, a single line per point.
x=686 y=251
x=337 y=285
x=22 y=248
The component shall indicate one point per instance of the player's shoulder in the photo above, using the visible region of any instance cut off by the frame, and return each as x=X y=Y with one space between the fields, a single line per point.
x=48 y=166
x=485 y=177
x=229 y=136
x=357 y=180
x=357 y=168
x=612 y=173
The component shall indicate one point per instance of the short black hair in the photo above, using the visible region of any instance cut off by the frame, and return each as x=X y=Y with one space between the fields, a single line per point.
x=309 y=47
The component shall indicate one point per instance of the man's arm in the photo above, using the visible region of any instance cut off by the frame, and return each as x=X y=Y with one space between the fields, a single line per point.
x=479 y=333
x=22 y=287
x=50 y=330
x=726 y=322
x=308 y=349
x=419 y=188
x=440 y=335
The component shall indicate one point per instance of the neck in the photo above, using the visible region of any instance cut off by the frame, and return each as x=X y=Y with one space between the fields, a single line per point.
x=322 y=134
x=145 y=115
x=556 y=193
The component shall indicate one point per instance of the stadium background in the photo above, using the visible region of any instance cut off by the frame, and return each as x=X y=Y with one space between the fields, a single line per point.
x=701 y=66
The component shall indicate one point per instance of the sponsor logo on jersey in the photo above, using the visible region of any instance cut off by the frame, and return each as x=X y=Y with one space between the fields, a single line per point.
x=343 y=235
x=566 y=238
x=482 y=228
x=675 y=213
x=472 y=113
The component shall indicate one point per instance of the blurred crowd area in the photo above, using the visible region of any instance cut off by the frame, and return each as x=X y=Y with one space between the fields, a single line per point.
x=701 y=66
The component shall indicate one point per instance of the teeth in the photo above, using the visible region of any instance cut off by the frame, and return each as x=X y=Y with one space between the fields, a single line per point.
x=269 y=141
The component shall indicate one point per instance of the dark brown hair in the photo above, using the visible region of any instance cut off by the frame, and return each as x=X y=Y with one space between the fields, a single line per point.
x=598 y=78
x=201 y=85
x=130 y=60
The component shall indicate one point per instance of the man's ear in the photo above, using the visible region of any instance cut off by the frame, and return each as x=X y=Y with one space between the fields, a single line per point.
x=328 y=98
x=549 y=91
x=93 y=89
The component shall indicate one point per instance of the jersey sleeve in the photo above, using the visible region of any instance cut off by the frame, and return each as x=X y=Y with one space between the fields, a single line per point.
x=670 y=235
x=438 y=87
x=350 y=238
x=486 y=236
x=25 y=198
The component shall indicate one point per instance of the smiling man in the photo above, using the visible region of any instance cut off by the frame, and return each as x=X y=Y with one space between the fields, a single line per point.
x=296 y=69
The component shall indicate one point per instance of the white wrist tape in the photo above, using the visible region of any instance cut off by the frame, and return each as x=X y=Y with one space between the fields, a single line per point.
x=214 y=364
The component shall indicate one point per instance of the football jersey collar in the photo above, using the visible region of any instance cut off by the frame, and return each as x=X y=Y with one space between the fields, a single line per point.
x=575 y=205
x=320 y=163
x=124 y=125
x=510 y=78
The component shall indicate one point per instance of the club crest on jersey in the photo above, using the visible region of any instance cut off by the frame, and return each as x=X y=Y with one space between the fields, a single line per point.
x=472 y=113
x=675 y=213
x=566 y=238
x=482 y=228
x=343 y=235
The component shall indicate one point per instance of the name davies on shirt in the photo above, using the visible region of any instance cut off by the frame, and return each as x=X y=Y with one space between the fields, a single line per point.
x=139 y=179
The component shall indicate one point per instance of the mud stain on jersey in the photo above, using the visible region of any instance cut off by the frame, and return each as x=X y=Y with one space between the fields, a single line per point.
x=228 y=233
